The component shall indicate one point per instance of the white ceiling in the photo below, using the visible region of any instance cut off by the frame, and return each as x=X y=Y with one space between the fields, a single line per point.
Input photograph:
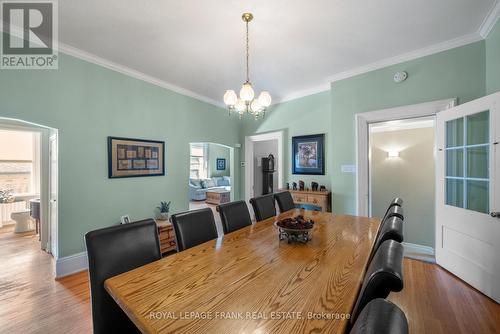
x=296 y=46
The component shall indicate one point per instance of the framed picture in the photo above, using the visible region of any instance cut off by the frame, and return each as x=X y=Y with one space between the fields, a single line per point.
x=308 y=155
x=129 y=157
x=221 y=164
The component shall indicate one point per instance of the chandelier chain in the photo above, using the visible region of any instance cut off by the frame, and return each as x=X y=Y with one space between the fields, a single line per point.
x=248 y=51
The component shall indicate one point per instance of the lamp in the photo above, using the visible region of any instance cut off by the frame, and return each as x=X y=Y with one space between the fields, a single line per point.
x=247 y=102
x=393 y=154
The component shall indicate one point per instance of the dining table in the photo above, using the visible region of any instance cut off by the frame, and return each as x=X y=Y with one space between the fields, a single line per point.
x=250 y=281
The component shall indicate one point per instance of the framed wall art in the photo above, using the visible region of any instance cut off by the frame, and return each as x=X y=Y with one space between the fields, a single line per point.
x=128 y=157
x=221 y=164
x=308 y=155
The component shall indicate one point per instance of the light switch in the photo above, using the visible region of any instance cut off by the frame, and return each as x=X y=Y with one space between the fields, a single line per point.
x=348 y=168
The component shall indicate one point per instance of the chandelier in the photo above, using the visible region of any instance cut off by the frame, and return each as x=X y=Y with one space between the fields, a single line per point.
x=246 y=102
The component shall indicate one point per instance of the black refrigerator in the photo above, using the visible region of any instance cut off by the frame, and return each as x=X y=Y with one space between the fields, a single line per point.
x=267 y=175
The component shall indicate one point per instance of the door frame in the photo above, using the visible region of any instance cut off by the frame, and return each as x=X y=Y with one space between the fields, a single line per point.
x=362 y=140
x=249 y=149
x=47 y=239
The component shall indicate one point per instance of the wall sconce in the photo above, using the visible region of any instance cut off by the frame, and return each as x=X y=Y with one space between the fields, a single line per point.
x=393 y=154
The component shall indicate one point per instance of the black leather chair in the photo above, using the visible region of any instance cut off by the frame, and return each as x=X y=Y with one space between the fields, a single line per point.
x=381 y=316
x=234 y=216
x=391 y=229
x=193 y=228
x=263 y=207
x=395 y=211
x=285 y=201
x=384 y=274
x=396 y=201
x=112 y=251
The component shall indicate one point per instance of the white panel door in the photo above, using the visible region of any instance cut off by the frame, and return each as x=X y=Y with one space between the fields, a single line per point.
x=468 y=193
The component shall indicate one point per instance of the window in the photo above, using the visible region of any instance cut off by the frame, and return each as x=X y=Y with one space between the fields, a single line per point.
x=16 y=176
x=198 y=161
x=18 y=170
x=467 y=162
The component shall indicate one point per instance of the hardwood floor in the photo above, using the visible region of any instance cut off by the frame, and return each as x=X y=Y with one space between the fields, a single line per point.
x=435 y=301
x=31 y=301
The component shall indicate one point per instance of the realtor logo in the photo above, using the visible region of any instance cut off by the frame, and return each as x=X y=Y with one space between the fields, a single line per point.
x=29 y=38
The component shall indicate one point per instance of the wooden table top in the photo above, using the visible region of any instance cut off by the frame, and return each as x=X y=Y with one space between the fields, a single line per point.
x=248 y=281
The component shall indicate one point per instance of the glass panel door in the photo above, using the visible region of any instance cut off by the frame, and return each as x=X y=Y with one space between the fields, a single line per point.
x=467 y=162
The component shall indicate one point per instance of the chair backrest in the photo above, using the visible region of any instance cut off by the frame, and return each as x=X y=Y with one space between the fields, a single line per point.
x=391 y=229
x=285 y=201
x=384 y=274
x=194 y=227
x=395 y=211
x=112 y=251
x=381 y=316
x=397 y=201
x=234 y=216
x=263 y=207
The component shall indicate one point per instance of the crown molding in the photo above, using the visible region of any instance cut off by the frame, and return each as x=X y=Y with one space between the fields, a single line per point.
x=427 y=51
x=92 y=58
x=305 y=92
x=490 y=20
x=481 y=34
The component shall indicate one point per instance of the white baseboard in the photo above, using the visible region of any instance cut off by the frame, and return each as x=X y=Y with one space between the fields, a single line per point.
x=419 y=252
x=71 y=264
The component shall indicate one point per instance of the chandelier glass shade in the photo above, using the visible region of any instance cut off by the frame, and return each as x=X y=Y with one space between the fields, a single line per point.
x=247 y=102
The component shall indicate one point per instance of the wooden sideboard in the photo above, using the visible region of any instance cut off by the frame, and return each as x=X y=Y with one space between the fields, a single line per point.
x=322 y=199
x=167 y=236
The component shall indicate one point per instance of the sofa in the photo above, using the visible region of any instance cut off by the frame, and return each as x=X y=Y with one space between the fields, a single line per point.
x=198 y=188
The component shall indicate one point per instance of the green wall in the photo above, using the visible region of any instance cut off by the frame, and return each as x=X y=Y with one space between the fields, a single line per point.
x=87 y=103
x=457 y=73
x=493 y=60
x=304 y=116
x=214 y=152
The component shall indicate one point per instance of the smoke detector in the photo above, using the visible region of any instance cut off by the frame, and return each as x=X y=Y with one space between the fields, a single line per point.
x=400 y=77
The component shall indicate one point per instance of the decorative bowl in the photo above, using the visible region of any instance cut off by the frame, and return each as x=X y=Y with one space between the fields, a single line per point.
x=294 y=229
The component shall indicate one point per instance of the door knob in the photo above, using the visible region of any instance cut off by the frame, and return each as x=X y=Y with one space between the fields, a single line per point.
x=495 y=214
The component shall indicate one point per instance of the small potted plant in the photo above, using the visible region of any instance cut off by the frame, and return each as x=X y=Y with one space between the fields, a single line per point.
x=164 y=209
x=6 y=196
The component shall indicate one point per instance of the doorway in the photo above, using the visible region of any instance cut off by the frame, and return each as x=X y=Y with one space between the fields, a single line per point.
x=402 y=164
x=20 y=183
x=363 y=177
x=29 y=185
x=211 y=176
x=265 y=180
x=258 y=147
